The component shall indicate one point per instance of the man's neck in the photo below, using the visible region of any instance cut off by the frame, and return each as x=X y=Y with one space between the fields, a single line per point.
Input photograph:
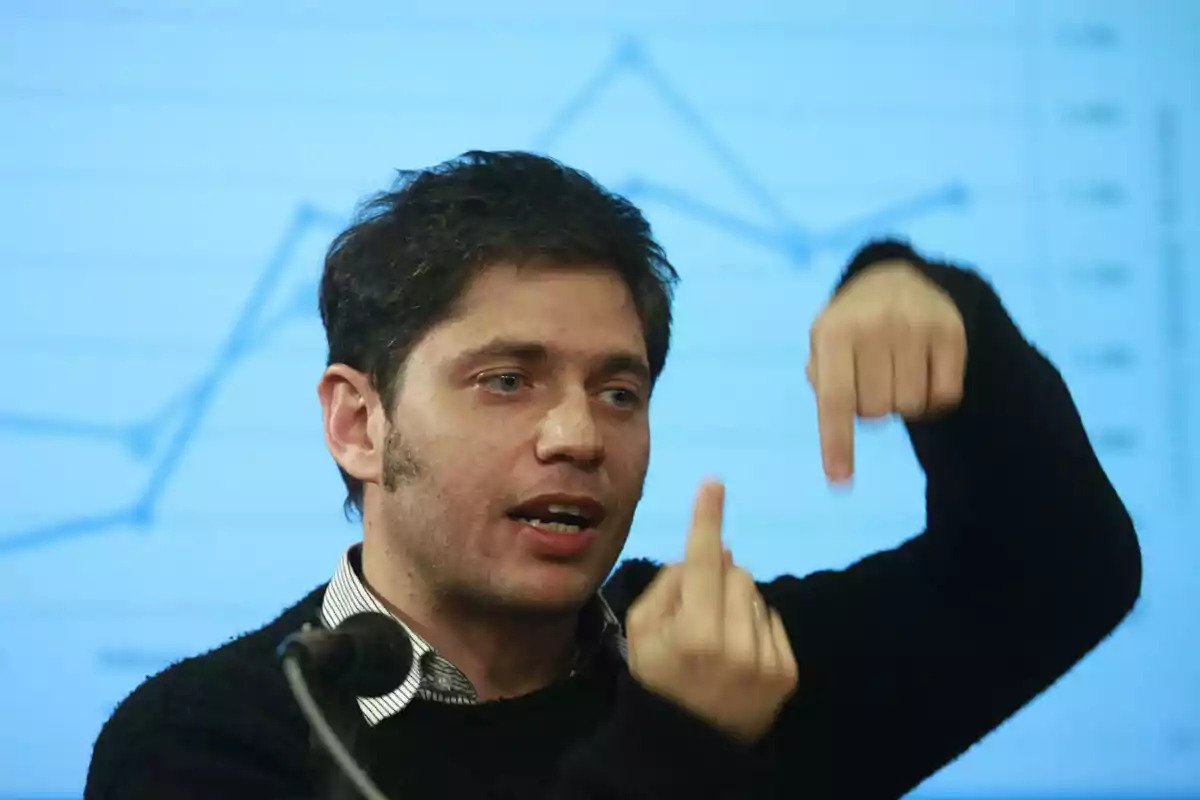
x=502 y=655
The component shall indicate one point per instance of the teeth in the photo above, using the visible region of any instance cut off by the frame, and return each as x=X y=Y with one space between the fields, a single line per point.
x=574 y=511
x=556 y=527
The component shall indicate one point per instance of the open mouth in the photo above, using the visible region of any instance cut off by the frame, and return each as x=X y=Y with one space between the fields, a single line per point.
x=559 y=516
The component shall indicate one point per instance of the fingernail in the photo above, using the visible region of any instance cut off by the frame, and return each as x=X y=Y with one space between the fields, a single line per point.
x=842 y=484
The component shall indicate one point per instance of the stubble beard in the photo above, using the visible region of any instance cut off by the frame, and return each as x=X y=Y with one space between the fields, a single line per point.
x=444 y=576
x=400 y=464
x=414 y=517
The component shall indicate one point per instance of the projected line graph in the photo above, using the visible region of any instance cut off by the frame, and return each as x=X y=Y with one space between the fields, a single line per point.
x=187 y=409
x=162 y=439
x=629 y=57
x=783 y=235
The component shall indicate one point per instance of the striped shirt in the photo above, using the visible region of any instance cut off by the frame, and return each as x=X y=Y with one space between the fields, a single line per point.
x=432 y=677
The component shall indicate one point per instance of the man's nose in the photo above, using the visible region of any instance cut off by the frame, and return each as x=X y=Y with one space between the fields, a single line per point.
x=569 y=432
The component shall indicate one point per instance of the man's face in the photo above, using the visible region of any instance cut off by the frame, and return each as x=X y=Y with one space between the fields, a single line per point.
x=520 y=440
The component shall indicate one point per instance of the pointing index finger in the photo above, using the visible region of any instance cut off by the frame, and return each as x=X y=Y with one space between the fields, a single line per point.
x=837 y=404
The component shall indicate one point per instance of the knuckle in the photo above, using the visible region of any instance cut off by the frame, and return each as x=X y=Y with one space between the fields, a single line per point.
x=831 y=326
x=871 y=407
x=741 y=662
x=700 y=645
x=739 y=580
x=774 y=677
x=789 y=681
x=946 y=395
x=948 y=337
x=928 y=329
x=951 y=323
x=778 y=679
x=881 y=326
x=742 y=666
x=789 y=668
x=791 y=673
x=910 y=403
x=785 y=669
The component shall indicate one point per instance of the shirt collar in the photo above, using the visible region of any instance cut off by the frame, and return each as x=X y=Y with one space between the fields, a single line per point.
x=431 y=676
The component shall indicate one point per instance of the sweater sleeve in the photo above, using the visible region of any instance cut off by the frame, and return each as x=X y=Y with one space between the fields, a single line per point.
x=651 y=748
x=190 y=765
x=183 y=735
x=1028 y=561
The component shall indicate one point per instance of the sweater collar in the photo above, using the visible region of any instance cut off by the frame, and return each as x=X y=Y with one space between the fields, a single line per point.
x=431 y=676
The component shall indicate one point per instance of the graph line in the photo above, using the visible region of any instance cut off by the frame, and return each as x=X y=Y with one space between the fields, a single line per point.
x=164 y=437
x=629 y=56
x=701 y=211
x=793 y=242
x=574 y=108
x=193 y=404
x=702 y=130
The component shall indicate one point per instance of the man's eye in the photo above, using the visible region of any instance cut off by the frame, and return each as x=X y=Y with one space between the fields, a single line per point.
x=505 y=382
x=622 y=398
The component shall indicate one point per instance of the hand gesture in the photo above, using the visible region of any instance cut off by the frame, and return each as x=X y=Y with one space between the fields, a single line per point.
x=891 y=341
x=702 y=637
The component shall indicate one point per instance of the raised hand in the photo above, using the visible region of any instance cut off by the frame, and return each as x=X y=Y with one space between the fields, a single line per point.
x=702 y=637
x=891 y=341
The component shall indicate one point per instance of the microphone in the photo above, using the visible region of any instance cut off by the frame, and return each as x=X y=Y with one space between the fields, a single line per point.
x=368 y=655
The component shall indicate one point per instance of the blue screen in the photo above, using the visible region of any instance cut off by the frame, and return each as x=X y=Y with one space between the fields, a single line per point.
x=172 y=173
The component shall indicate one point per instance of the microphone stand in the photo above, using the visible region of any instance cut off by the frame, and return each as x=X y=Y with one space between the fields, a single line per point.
x=325 y=734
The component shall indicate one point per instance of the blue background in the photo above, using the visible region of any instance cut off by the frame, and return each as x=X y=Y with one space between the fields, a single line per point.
x=172 y=171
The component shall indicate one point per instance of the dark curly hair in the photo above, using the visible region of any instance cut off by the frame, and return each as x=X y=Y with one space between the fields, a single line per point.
x=411 y=252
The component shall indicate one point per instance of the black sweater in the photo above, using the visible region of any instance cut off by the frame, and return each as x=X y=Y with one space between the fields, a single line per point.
x=906 y=658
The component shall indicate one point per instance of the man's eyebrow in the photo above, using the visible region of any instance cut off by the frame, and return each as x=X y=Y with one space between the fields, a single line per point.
x=618 y=363
x=535 y=352
x=507 y=348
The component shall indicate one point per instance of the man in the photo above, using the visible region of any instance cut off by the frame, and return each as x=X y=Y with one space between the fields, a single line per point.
x=496 y=326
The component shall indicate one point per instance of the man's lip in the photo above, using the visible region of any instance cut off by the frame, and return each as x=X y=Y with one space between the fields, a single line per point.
x=554 y=544
x=593 y=509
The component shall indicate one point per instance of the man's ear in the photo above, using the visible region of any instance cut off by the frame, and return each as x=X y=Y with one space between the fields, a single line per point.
x=355 y=422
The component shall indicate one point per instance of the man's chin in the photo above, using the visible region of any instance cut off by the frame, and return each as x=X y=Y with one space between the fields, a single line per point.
x=549 y=591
